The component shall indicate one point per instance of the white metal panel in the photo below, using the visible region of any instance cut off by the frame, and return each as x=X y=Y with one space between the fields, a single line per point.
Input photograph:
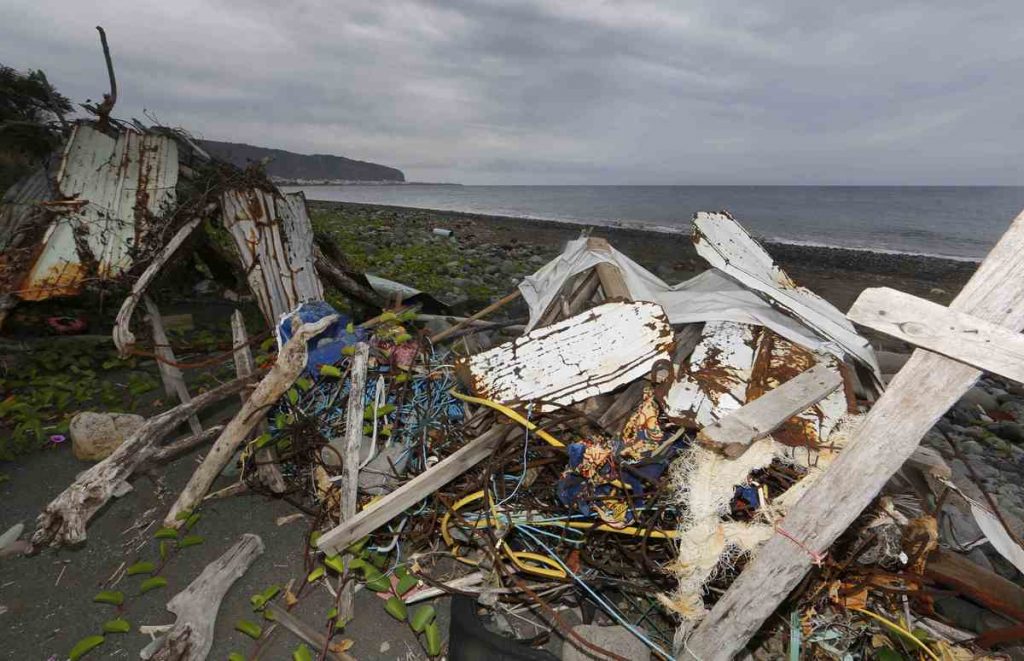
x=566 y=362
x=104 y=186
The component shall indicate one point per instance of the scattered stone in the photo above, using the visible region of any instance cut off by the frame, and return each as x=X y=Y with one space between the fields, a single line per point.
x=95 y=435
x=1011 y=431
x=11 y=536
x=978 y=396
x=617 y=640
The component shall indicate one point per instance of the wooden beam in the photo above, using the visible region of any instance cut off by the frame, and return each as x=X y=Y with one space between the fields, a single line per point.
x=479 y=315
x=338 y=539
x=957 y=335
x=734 y=432
x=926 y=387
x=977 y=583
x=304 y=631
x=612 y=282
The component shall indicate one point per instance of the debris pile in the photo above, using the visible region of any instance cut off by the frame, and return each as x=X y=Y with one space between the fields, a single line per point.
x=665 y=459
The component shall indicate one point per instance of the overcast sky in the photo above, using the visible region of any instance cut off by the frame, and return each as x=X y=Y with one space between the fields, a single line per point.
x=568 y=91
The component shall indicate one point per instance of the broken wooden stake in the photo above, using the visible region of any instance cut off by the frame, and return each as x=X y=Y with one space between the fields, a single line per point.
x=734 y=432
x=479 y=315
x=191 y=637
x=350 y=459
x=170 y=374
x=291 y=360
x=885 y=439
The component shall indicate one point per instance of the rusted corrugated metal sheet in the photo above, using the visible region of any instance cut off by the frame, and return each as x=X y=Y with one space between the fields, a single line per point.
x=566 y=362
x=734 y=364
x=23 y=221
x=280 y=272
x=726 y=246
x=105 y=188
x=714 y=381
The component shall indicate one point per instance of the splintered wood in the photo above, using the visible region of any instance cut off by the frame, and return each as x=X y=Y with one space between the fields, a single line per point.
x=586 y=355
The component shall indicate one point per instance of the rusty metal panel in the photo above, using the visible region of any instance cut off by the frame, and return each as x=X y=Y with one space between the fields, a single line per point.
x=778 y=360
x=715 y=379
x=106 y=189
x=726 y=245
x=23 y=221
x=274 y=238
x=586 y=355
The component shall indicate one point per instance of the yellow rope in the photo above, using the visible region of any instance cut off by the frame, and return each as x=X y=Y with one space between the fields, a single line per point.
x=900 y=630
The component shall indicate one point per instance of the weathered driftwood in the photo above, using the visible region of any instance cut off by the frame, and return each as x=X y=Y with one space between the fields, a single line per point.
x=290 y=362
x=64 y=520
x=956 y=335
x=175 y=449
x=191 y=637
x=734 y=433
x=309 y=634
x=982 y=585
x=266 y=458
x=589 y=354
x=612 y=282
x=350 y=458
x=342 y=280
x=926 y=387
x=170 y=374
x=124 y=340
x=366 y=521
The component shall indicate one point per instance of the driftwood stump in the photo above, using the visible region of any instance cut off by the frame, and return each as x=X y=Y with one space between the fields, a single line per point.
x=191 y=637
x=64 y=520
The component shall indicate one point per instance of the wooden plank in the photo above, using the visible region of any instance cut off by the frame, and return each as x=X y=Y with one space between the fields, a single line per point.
x=479 y=315
x=592 y=353
x=612 y=282
x=986 y=587
x=734 y=433
x=266 y=458
x=339 y=538
x=311 y=635
x=350 y=458
x=927 y=386
x=953 y=334
x=174 y=381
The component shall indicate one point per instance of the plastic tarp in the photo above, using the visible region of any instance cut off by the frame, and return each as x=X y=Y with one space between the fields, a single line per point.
x=710 y=296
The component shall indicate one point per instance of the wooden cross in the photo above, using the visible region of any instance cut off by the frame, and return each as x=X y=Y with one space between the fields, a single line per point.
x=978 y=331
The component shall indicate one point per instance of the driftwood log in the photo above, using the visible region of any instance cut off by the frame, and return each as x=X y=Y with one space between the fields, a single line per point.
x=191 y=637
x=170 y=374
x=123 y=337
x=290 y=362
x=64 y=520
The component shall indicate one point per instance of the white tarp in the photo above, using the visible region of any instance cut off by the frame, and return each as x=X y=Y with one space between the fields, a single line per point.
x=710 y=296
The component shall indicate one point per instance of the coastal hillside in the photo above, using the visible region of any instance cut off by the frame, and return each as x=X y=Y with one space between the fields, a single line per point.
x=289 y=166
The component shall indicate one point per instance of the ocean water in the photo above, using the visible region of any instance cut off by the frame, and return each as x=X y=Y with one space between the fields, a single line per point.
x=953 y=221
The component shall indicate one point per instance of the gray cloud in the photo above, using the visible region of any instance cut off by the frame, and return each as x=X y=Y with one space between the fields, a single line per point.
x=568 y=91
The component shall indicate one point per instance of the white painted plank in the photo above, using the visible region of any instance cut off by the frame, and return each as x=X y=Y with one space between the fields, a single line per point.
x=759 y=418
x=713 y=382
x=566 y=362
x=931 y=326
x=917 y=397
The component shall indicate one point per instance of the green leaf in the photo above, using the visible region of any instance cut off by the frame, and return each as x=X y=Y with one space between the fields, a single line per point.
x=396 y=608
x=260 y=600
x=331 y=371
x=182 y=515
x=152 y=584
x=112 y=597
x=190 y=540
x=421 y=617
x=250 y=629
x=192 y=520
x=117 y=625
x=334 y=562
x=348 y=351
x=263 y=440
x=84 y=646
x=293 y=396
x=302 y=653
x=405 y=584
x=402 y=378
x=313 y=537
x=333 y=613
x=166 y=533
x=315 y=574
x=141 y=568
x=388 y=316
x=235 y=656
x=403 y=338
x=433 y=639
x=350 y=328
x=165 y=548
x=303 y=383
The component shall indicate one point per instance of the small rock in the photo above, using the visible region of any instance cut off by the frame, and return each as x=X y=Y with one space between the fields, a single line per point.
x=12 y=534
x=95 y=435
x=617 y=640
x=1011 y=431
x=978 y=396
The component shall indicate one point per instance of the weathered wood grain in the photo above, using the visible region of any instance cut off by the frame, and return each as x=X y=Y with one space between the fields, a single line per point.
x=928 y=325
x=734 y=433
x=350 y=458
x=926 y=387
x=173 y=379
